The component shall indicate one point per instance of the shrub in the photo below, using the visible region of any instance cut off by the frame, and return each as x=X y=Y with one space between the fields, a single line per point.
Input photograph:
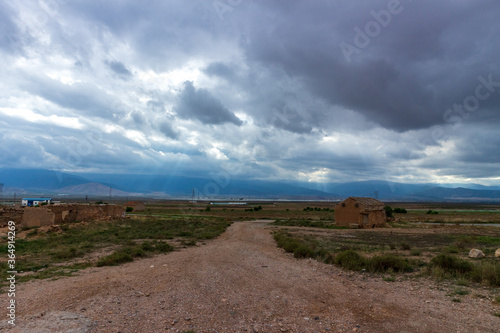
x=163 y=247
x=115 y=259
x=303 y=251
x=286 y=242
x=389 y=262
x=388 y=211
x=400 y=210
x=452 y=265
x=464 y=242
x=147 y=246
x=405 y=246
x=389 y=278
x=350 y=259
x=207 y=209
x=487 y=272
x=129 y=209
x=416 y=252
x=120 y=256
x=68 y=253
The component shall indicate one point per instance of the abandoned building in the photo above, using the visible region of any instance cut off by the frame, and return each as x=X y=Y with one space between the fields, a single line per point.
x=58 y=214
x=48 y=215
x=136 y=205
x=35 y=201
x=359 y=212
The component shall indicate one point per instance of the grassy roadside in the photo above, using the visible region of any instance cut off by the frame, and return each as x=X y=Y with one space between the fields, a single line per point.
x=325 y=224
x=80 y=245
x=440 y=256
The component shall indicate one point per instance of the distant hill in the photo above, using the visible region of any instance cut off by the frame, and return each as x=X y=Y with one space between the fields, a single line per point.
x=459 y=193
x=93 y=189
x=372 y=188
x=35 y=179
x=183 y=186
x=49 y=182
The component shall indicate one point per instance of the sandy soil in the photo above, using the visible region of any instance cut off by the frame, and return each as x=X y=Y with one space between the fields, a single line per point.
x=241 y=282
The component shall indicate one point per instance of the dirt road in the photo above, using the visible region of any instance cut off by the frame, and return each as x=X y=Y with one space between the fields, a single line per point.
x=241 y=282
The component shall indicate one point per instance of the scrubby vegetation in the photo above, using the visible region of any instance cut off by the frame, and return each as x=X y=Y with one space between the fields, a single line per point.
x=367 y=255
x=49 y=254
x=308 y=223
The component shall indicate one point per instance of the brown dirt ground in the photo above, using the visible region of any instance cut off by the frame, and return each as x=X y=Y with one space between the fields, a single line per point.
x=241 y=282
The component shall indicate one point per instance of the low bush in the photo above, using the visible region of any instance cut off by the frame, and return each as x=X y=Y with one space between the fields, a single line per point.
x=405 y=246
x=452 y=265
x=389 y=263
x=388 y=211
x=118 y=257
x=128 y=253
x=486 y=272
x=68 y=253
x=350 y=259
x=303 y=251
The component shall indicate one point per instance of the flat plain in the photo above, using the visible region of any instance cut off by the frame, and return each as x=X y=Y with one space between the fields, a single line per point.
x=196 y=267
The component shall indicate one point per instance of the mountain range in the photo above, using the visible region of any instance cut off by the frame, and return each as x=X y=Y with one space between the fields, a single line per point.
x=55 y=183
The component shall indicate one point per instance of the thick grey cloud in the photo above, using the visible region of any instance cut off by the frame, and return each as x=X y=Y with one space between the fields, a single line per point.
x=166 y=128
x=200 y=104
x=119 y=68
x=396 y=80
x=83 y=96
x=414 y=96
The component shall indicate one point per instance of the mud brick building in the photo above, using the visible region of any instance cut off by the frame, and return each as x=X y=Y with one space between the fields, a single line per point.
x=359 y=212
x=59 y=214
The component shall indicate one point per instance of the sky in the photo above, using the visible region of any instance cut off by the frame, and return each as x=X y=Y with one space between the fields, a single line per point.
x=309 y=91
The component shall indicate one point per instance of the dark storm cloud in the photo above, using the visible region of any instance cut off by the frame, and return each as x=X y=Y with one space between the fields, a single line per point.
x=119 y=68
x=401 y=99
x=167 y=130
x=426 y=58
x=219 y=69
x=138 y=118
x=201 y=105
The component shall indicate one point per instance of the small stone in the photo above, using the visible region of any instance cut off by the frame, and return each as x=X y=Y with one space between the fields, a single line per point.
x=475 y=253
x=497 y=253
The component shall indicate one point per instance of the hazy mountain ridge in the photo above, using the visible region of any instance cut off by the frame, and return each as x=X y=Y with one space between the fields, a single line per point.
x=22 y=181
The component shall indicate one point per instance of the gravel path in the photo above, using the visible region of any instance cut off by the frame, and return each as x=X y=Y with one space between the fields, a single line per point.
x=241 y=282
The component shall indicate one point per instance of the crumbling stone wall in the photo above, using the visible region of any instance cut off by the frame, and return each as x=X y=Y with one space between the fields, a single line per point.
x=38 y=217
x=10 y=214
x=58 y=214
